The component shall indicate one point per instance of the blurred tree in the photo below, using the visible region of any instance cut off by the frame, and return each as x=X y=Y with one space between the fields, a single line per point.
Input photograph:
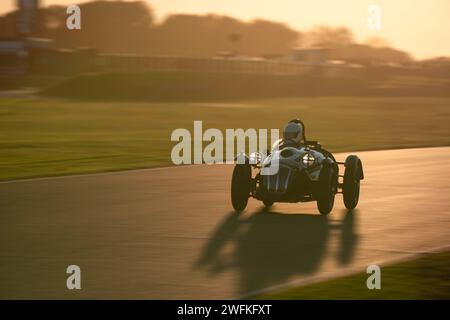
x=129 y=28
x=377 y=42
x=329 y=37
x=109 y=26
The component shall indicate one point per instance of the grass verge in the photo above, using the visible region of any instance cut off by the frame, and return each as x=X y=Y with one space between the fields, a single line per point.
x=427 y=277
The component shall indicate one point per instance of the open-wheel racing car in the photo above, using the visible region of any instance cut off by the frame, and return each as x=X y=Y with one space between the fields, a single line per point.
x=305 y=172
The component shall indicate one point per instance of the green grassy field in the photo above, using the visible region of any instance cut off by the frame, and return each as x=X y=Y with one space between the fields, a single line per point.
x=46 y=137
x=423 y=278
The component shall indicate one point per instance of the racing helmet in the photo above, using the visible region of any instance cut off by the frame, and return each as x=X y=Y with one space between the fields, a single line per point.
x=293 y=132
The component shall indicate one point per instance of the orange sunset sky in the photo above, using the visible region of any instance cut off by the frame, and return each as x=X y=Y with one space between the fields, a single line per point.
x=421 y=27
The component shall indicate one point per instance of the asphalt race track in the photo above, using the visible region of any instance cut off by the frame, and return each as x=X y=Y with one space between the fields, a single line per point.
x=171 y=233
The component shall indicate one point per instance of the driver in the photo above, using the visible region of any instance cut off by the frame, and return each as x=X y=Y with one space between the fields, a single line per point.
x=293 y=134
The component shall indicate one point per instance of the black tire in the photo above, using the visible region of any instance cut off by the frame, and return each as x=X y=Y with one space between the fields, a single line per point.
x=268 y=202
x=241 y=186
x=326 y=189
x=352 y=177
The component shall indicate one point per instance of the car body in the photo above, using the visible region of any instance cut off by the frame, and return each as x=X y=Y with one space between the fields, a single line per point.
x=299 y=174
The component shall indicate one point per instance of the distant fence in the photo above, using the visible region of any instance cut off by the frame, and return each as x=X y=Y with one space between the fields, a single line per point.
x=110 y=63
x=117 y=63
x=84 y=61
x=73 y=62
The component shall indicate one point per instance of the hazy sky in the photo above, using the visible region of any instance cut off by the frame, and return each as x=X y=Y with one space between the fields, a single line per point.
x=421 y=27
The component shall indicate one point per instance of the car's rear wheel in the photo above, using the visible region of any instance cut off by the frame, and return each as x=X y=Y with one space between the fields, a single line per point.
x=326 y=189
x=352 y=177
x=241 y=186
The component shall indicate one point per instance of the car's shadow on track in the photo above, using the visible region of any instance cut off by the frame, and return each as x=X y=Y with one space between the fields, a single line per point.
x=268 y=248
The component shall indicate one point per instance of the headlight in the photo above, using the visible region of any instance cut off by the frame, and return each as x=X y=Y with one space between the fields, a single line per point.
x=308 y=160
x=255 y=158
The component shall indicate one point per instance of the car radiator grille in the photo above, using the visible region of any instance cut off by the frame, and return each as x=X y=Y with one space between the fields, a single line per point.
x=278 y=183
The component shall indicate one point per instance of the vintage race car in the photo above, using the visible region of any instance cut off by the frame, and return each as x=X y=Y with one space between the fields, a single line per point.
x=300 y=174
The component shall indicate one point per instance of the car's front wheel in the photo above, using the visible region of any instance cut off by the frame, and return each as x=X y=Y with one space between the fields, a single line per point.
x=326 y=189
x=352 y=177
x=241 y=186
